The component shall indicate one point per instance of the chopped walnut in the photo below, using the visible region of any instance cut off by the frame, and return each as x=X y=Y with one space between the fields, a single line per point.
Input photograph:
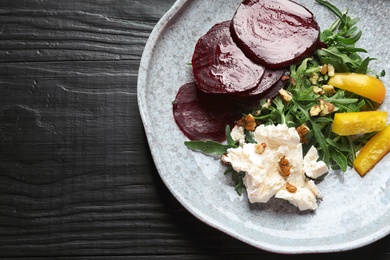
x=224 y=160
x=257 y=113
x=328 y=108
x=315 y=110
x=324 y=69
x=331 y=70
x=260 y=148
x=318 y=90
x=267 y=104
x=329 y=90
x=323 y=109
x=292 y=81
x=314 y=78
x=248 y=122
x=303 y=130
x=285 y=95
x=285 y=77
x=285 y=167
x=291 y=188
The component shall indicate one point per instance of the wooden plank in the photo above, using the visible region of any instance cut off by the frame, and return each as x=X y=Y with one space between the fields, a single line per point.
x=77 y=30
x=76 y=175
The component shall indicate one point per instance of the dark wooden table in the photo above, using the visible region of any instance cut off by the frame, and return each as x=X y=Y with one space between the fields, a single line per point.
x=76 y=175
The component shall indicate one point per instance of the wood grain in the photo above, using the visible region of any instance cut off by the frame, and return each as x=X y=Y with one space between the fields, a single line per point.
x=76 y=175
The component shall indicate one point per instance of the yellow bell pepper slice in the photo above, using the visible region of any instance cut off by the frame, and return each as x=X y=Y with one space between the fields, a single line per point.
x=361 y=84
x=373 y=151
x=353 y=123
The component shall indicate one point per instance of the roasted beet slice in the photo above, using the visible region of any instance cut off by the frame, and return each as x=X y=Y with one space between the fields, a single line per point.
x=275 y=33
x=272 y=92
x=220 y=67
x=202 y=116
x=267 y=82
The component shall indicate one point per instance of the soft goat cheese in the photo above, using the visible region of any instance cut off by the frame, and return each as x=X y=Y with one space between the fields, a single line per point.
x=264 y=177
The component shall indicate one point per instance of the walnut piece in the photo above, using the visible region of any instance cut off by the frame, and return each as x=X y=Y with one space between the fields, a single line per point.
x=328 y=108
x=285 y=167
x=318 y=90
x=329 y=90
x=248 y=122
x=267 y=104
x=224 y=160
x=324 y=69
x=285 y=95
x=323 y=109
x=291 y=188
x=285 y=77
x=331 y=70
x=303 y=130
x=260 y=148
x=314 y=78
x=315 y=110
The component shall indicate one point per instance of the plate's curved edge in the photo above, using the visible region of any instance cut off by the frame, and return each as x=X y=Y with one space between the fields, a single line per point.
x=158 y=30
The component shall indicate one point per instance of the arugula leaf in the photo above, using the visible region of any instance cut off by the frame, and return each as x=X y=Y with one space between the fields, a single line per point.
x=208 y=147
x=237 y=178
x=249 y=137
x=229 y=138
x=340 y=159
x=340 y=39
x=332 y=8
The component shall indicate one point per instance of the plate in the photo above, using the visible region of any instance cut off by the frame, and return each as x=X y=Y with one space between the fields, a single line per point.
x=355 y=211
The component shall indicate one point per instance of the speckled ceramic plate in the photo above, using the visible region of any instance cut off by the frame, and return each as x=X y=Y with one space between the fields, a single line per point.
x=355 y=211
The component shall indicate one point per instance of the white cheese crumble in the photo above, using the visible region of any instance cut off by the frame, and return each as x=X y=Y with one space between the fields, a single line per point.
x=263 y=175
x=238 y=135
x=311 y=166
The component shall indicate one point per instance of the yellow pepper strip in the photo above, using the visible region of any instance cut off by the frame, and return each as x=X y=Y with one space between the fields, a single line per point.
x=361 y=84
x=373 y=151
x=353 y=123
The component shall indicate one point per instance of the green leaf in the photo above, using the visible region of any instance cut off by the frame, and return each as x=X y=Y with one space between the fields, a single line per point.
x=239 y=187
x=340 y=159
x=249 y=137
x=208 y=147
x=229 y=170
x=340 y=39
x=363 y=66
x=350 y=40
x=337 y=145
x=332 y=8
x=238 y=180
x=229 y=138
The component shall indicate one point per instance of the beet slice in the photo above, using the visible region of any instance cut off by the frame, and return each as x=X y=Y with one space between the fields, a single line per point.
x=202 y=116
x=275 y=33
x=220 y=67
x=267 y=82
x=272 y=92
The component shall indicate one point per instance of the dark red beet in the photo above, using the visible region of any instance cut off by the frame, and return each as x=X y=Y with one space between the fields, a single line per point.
x=269 y=94
x=203 y=116
x=267 y=82
x=275 y=33
x=272 y=92
x=220 y=67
